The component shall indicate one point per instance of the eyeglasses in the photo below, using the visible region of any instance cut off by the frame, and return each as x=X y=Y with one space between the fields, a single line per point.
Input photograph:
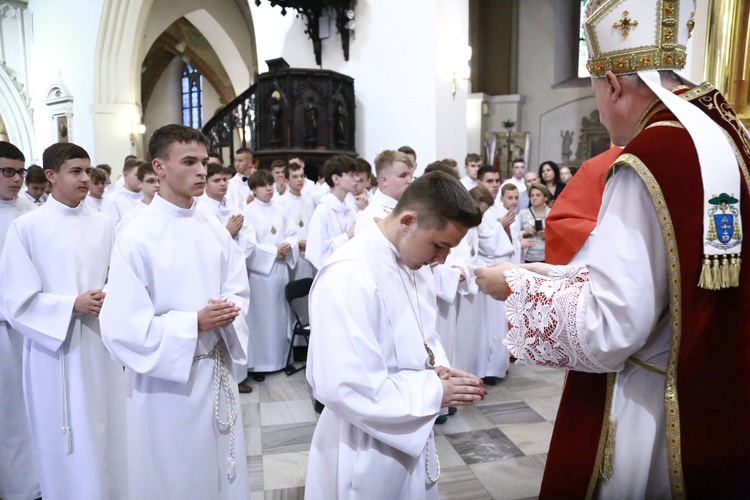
x=10 y=172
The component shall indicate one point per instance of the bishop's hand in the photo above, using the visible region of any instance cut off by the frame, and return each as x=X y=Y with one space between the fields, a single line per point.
x=491 y=280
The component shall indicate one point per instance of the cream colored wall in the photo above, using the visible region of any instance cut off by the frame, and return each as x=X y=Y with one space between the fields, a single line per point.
x=400 y=62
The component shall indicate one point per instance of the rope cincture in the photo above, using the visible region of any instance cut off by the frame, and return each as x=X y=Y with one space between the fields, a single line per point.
x=221 y=382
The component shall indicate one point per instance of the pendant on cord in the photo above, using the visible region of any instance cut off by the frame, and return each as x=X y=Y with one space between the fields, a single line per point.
x=273 y=230
x=430 y=354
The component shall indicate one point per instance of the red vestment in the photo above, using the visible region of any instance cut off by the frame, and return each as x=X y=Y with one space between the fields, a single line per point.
x=707 y=384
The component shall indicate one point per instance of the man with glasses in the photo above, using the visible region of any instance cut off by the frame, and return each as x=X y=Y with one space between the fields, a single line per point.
x=18 y=477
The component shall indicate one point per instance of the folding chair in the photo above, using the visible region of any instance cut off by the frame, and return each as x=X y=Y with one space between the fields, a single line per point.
x=295 y=291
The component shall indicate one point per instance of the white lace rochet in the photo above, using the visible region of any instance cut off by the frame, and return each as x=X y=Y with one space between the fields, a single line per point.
x=546 y=316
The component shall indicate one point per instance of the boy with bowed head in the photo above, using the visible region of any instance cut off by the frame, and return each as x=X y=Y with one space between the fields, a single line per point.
x=379 y=368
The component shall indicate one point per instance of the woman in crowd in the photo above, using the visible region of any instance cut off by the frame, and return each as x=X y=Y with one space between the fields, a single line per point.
x=549 y=173
x=532 y=221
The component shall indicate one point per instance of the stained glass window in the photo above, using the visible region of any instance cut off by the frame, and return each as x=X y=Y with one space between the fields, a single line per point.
x=192 y=97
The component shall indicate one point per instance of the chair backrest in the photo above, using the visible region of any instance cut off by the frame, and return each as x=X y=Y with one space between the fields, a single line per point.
x=295 y=290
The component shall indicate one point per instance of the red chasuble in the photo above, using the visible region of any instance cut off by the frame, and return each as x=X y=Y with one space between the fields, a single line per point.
x=707 y=385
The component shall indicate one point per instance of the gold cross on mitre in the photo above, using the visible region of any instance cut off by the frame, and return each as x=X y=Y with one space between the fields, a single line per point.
x=625 y=24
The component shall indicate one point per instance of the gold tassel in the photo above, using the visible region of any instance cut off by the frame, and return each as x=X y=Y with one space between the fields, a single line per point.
x=715 y=273
x=608 y=461
x=736 y=261
x=705 y=279
x=726 y=279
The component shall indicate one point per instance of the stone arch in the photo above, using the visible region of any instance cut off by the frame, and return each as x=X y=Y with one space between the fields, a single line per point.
x=121 y=46
x=16 y=115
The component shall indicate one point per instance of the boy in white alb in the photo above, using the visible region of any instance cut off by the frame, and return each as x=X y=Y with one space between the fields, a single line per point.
x=394 y=172
x=378 y=365
x=127 y=198
x=238 y=192
x=52 y=272
x=175 y=317
x=96 y=188
x=18 y=478
x=332 y=223
x=495 y=245
x=299 y=209
x=471 y=166
x=275 y=252
x=148 y=182
x=214 y=200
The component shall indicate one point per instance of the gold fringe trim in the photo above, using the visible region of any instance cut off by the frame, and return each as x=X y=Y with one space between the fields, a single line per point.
x=720 y=272
x=608 y=462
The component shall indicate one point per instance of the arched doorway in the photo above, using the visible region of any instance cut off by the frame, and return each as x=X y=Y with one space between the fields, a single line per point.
x=15 y=116
x=128 y=30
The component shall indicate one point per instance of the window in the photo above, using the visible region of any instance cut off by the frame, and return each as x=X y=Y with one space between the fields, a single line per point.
x=583 y=52
x=192 y=97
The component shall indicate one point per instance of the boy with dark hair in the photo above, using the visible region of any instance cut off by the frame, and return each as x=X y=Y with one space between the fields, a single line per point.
x=332 y=223
x=36 y=184
x=408 y=151
x=126 y=199
x=309 y=185
x=275 y=252
x=378 y=366
x=18 y=478
x=148 y=181
x=358 y=199
x=278 y=170
x=214 y=200
x=55 y=302
x=175 y=318
x=299 y=209
x=238 y=192
x=472 y=163
x=97 y=186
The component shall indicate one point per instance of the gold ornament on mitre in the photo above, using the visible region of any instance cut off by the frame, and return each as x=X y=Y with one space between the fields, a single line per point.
x=643 y=36
x=628 y=36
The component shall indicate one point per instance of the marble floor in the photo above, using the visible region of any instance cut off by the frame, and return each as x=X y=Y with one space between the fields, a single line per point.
x=493 y=450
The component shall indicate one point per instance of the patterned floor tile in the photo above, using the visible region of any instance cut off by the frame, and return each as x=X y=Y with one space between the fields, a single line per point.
x=481 y=446
x=513 y=412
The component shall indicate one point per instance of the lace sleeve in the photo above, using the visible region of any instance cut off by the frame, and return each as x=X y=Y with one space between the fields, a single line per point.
x=546 y=318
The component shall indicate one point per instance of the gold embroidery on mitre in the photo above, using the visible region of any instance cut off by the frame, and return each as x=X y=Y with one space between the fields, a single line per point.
x=625 y=24
x=669 y=35
x=645 y=60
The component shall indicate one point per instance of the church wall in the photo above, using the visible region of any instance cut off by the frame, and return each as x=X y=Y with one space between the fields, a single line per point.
x=165 y=105
x=401 y=83
x=538 y=56
x=63 y=45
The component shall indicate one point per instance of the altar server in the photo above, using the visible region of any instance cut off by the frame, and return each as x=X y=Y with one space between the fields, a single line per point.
x=175 y=317
x=52 y=272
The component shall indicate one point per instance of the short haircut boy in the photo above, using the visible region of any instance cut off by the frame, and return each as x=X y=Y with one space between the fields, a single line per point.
x=481 y=194
x=487 y=169
x=408 y=151
x=144 y=168
x=57 y=154
x=472 y=158
x=438 y=198
x=106 y=168
x=508 y=187
x=98 y=176
x=292 y=167
x=35 y=175
x=214 y=169
x=164 y=137
x=260 y=178
x=10 y=151
x=243 y=150
x=129 y=165
x=338 y=165
x=439 y=166
x=387 y=158
x=363 y=166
